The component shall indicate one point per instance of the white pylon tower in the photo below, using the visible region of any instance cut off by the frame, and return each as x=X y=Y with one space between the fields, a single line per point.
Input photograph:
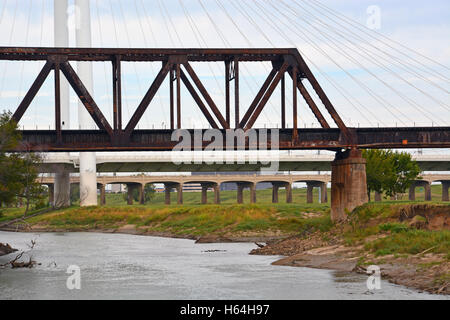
x=61 y=39
x=88 y=166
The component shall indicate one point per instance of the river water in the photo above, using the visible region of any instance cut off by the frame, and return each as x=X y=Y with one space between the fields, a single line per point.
x=119 y=266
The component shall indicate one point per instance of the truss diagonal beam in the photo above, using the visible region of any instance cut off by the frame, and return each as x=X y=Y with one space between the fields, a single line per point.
x=312 y=105
x=267 y=96
x=37 y=84
x=198 y=100
x=206 y=95
x=85 y=97
x=148 y=98
x=258 y=97
x=323 y=97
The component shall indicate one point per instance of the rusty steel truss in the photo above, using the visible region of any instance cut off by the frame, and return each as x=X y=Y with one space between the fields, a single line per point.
x=176 y=63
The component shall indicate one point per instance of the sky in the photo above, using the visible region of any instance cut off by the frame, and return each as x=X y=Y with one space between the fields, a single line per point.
x=371 y=80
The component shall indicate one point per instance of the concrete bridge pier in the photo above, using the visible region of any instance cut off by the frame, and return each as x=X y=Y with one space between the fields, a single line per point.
x=51 y=194
x=130 y=189
x=217 y=193
x=205 y=188
x=445 y=187
x=420 y=183
x=141 y=194
x=323 y=191
x=61 y=190
x=179 y=188
x=240 y=191
x=276 y=188
x=102 y=188
x=168 y=188
x=348 y=183
x=215 y=187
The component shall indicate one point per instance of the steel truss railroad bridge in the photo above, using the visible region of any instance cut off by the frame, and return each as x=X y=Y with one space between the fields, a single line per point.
x=348 y=170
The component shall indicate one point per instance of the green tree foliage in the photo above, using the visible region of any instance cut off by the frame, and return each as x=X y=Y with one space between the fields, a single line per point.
x=389 y=172
x=18 y=171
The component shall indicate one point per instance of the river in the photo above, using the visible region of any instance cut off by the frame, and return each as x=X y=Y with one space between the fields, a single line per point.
x=119 y=266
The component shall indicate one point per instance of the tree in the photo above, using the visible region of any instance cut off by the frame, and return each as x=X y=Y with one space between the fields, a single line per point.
x=18 y=171
x=389 y=172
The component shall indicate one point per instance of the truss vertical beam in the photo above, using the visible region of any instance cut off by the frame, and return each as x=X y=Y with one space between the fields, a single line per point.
x=236 y=93
x=294 y=103
x=178 y=96
x=227 y=92
x=117 y=94
x=172 y=100
x=58 y=103
x=283 y=102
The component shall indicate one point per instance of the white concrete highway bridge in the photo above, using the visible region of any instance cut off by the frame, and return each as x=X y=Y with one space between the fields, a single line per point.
x=213 y=181
x=164 y=162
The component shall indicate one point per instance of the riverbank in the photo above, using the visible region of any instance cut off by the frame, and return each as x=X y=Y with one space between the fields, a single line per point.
x=410 y=242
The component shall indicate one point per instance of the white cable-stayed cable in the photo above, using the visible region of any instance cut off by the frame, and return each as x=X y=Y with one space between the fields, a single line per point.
x=3 y=10
x=19 y=93
x=244 y=66
x=195 y=30
x=373 y=35
x=303 y=35
x=147 y=45
x=127 y=34
x=340 y=50
x=100 y=32
x=340 y=90
x=5 y=68
x=348 y=33
x=275 y=27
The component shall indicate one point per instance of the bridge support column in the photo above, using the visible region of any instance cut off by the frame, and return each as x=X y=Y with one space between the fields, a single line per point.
x=377 y=196
x=62 y=190
x=180 y=193
x=253 y=193
x=217 y=193
x=204 y=194
x=289 y=193
x=445 y=187
x=141 y=194
x=427 y=189
x=275 y=188
x=309 y=192
x=240 y=192
x=348 y=183
x=167 y=189
x=412 y=192
x=130 y=189
x=51 y=195
x=323 y=192
x=102 y=194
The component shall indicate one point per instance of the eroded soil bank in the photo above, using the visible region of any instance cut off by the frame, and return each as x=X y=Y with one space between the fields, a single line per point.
x=410 y=244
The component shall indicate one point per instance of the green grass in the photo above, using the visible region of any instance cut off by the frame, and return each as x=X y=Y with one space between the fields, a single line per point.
x=191 y=219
